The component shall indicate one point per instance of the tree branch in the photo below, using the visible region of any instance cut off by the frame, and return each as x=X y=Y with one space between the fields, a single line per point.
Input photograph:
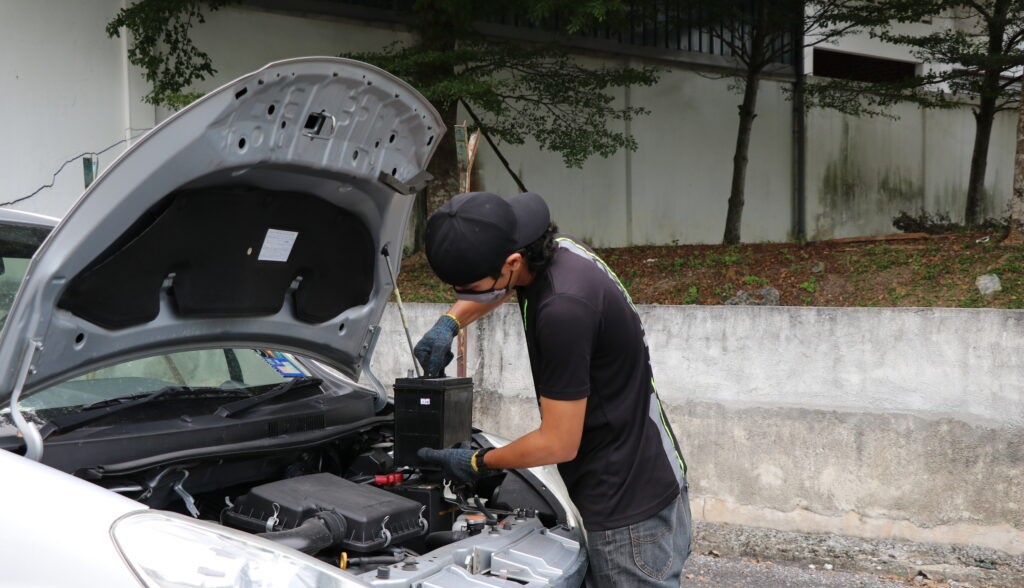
x=487 y=136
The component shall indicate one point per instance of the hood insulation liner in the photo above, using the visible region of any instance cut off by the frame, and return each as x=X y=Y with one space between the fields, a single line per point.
x=233 y=251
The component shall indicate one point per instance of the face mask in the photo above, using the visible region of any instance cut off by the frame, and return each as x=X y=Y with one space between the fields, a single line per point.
x=486 y=296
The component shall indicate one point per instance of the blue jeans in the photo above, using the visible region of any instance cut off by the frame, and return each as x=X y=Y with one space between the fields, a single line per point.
x=649 y=553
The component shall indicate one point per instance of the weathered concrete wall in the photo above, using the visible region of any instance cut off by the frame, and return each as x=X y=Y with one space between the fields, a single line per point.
x=897 y=423
x=862 y=172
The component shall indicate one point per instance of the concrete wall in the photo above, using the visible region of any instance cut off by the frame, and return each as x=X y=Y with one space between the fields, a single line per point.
x=896 y=423
x=861 y=172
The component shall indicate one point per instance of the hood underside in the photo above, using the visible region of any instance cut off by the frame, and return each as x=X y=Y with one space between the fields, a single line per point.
x=255 y=217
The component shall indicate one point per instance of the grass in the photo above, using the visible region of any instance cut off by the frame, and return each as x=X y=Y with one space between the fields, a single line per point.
x=937 y=271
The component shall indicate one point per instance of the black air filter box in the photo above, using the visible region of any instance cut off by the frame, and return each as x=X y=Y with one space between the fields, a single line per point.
x=431 y=412
x=375 y=518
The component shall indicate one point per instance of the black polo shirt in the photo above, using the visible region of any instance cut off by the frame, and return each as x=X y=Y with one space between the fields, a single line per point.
x=585 y=340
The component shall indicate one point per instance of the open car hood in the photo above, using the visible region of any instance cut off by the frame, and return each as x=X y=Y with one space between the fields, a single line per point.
x=255 y=217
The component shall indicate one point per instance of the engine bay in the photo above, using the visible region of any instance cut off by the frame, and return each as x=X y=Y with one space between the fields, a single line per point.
x=350 y=494
x=346 y=504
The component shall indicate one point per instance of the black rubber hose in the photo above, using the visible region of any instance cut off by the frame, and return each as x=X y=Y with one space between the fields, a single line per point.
x=375 y=560
x=442 y=538
x=323 y=530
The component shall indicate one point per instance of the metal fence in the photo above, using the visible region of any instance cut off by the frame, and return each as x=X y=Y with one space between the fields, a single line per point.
x=674 y=25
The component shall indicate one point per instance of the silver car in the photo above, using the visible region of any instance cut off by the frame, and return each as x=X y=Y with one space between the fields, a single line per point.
x=179 y=358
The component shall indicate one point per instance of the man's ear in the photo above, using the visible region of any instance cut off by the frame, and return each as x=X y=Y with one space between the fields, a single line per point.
x=515 y=261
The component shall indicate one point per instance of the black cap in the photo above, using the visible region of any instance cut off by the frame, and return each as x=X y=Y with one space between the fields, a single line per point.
x=470 y=236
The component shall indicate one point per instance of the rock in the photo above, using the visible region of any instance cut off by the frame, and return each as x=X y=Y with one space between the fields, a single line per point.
x=818 y=268
x=762 y=297
x=827 y=566
x=988 y=284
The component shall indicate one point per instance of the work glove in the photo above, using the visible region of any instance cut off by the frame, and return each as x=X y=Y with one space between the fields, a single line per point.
x=457 y=465
x=434 y=350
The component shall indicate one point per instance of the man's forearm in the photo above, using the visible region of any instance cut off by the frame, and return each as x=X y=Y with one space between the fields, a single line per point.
x=556 y=441
x=466 y=312
x=530 y=450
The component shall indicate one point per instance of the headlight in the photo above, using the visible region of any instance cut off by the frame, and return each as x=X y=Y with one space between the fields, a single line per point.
x=167 y=550
x=549 y=476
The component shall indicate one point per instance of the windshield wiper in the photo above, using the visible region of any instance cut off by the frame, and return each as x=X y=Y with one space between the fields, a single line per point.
x=239 y=406
x=103 y=408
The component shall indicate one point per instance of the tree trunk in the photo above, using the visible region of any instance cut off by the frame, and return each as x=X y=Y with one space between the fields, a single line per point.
x=444 y=166
x=995 y=24
x=984 y=117
x=436 y=23
x=1016 y=235
x=748 y=110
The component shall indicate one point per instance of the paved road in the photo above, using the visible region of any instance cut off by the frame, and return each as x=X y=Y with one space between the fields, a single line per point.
x=704 y=571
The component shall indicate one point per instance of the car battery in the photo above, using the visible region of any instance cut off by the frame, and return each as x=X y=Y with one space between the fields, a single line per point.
x=431 y=412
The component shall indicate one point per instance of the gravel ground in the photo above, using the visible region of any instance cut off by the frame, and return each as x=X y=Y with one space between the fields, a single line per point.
x=853 y=559
x=706 y=571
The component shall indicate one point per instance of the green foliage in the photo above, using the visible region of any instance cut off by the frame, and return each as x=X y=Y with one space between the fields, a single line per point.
x=755 y=281
x=574 y=15
x=161 y=46
x=730 y=256
x=692 y=296
x=724 y=292
x=524 y=92
x=810 y=285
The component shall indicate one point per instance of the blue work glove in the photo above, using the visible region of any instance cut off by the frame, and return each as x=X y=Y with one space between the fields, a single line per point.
x=434 y=350
x=457 y=465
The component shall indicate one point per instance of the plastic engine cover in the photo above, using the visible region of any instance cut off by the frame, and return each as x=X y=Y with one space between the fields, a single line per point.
x=375 y=518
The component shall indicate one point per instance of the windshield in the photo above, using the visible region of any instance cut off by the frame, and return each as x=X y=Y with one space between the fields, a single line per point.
x=222 y=369
x=17 y=244
x=209 y=368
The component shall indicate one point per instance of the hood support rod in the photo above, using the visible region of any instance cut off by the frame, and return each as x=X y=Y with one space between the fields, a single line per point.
x=401 y=309
x=382 y=394
x=29 y=432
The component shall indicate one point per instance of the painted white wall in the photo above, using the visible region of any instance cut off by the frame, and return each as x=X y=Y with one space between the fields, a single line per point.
x=76 y=93
x=240 y=40
x=676 y=185
x=64 y=93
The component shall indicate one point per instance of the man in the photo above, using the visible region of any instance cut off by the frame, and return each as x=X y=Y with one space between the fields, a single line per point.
x=601 y=420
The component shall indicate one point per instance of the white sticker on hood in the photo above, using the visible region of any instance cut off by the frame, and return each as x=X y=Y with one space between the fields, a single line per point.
x=277 y=245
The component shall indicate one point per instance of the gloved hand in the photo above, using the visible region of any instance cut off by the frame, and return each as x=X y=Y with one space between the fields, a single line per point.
x=457 y=465
x=434 y=350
